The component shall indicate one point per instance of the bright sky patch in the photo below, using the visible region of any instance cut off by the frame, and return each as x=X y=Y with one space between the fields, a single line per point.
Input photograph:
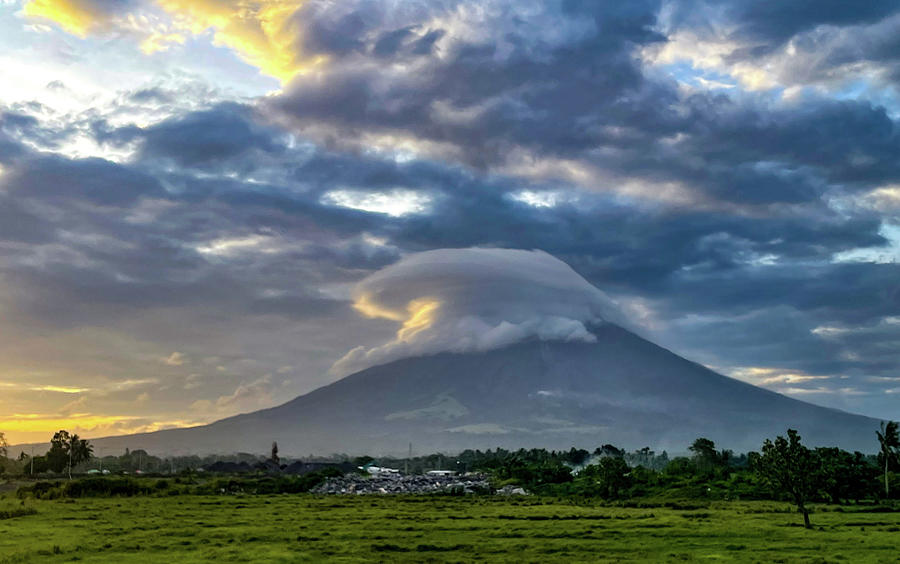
x=395 y=203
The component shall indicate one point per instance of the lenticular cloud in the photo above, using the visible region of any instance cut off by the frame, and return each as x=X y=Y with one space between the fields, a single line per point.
x=464 y=300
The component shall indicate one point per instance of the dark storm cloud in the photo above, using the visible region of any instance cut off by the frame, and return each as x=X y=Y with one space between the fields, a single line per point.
x=9 y=146
x=208 y=137
x=588 y=99
x=832 y=44
x=93 y=181
x=552 y=95
x=615 y=242
x=338 y=30
x=213 y=137
x=772 y=23
x=840 y=56
x=844 y=294
x=755 y=155
x=19 y=225
x=16 y=127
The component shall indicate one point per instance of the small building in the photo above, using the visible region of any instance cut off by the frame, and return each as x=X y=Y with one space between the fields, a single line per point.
x=441 y=473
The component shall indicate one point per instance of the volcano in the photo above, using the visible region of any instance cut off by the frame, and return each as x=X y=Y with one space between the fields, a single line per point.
x=620 y=389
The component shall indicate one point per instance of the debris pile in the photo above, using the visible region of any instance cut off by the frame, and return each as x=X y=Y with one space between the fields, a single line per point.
x=410 y=484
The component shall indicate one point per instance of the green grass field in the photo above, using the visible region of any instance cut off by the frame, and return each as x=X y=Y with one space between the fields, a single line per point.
x=305 y=528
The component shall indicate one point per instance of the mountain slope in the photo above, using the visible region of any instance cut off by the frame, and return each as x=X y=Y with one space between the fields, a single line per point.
x=622 y=390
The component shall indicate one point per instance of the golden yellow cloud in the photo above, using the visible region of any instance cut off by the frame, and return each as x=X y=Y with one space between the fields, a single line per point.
x=419 y=314
x=75 y=16
x=421 y=317
x=261 y=32
x=370 y=309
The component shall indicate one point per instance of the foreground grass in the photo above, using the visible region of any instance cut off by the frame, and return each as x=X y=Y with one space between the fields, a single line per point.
x=305 y=528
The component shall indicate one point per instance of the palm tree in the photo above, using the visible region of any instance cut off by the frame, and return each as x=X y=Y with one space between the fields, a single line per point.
x=79 y=451
x=890 y=445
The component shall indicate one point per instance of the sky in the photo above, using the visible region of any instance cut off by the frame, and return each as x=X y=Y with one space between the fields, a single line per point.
x=207 y=206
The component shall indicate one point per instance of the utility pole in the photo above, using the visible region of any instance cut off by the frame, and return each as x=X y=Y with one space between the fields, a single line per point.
x=70 y=459
x=32 y=461
x=408 y=457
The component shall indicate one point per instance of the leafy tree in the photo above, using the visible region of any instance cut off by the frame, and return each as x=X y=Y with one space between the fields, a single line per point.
x=706 y=457
x=890 y=447
x=67 y=451
x=58 y=455
x=704 y=448
x=3 y=445
x=82 y=451
x=705 y=454
x=791 y=469
x=680 y=466
x=39 y=464
x=610 y=475
x=576 y=456
x=363 y=460
x=608 y=450
x=844 y=476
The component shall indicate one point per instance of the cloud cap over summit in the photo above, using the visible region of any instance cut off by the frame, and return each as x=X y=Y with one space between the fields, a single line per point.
x=476 y=299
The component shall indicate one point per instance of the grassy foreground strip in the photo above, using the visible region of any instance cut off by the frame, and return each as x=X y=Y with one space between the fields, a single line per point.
x=295 y=528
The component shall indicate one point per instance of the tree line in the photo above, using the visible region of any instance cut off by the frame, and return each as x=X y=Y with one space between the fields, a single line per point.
x=784 y=468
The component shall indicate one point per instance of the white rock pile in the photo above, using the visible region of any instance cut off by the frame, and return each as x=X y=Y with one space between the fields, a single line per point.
x=404 y=484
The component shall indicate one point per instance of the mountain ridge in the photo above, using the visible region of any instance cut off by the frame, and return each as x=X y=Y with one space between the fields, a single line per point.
x=621 y=389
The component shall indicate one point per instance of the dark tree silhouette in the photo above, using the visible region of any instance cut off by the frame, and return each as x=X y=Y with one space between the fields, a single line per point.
x=81 y=451
x=67 y=451
x=790 y=468
x=58 y=455
x=890 y=446
x=705 y=454
x=274 y=458
x=3 y=445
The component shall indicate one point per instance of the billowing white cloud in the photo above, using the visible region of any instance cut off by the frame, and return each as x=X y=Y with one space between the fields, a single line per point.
x=477 y=299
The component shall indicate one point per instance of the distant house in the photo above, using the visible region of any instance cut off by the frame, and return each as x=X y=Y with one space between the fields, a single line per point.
x=441 y=473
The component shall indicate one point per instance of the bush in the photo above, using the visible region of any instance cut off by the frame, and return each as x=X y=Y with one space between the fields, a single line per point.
x=86 y=487
x=16 y=512
x=41 y=490
x=105 y=487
